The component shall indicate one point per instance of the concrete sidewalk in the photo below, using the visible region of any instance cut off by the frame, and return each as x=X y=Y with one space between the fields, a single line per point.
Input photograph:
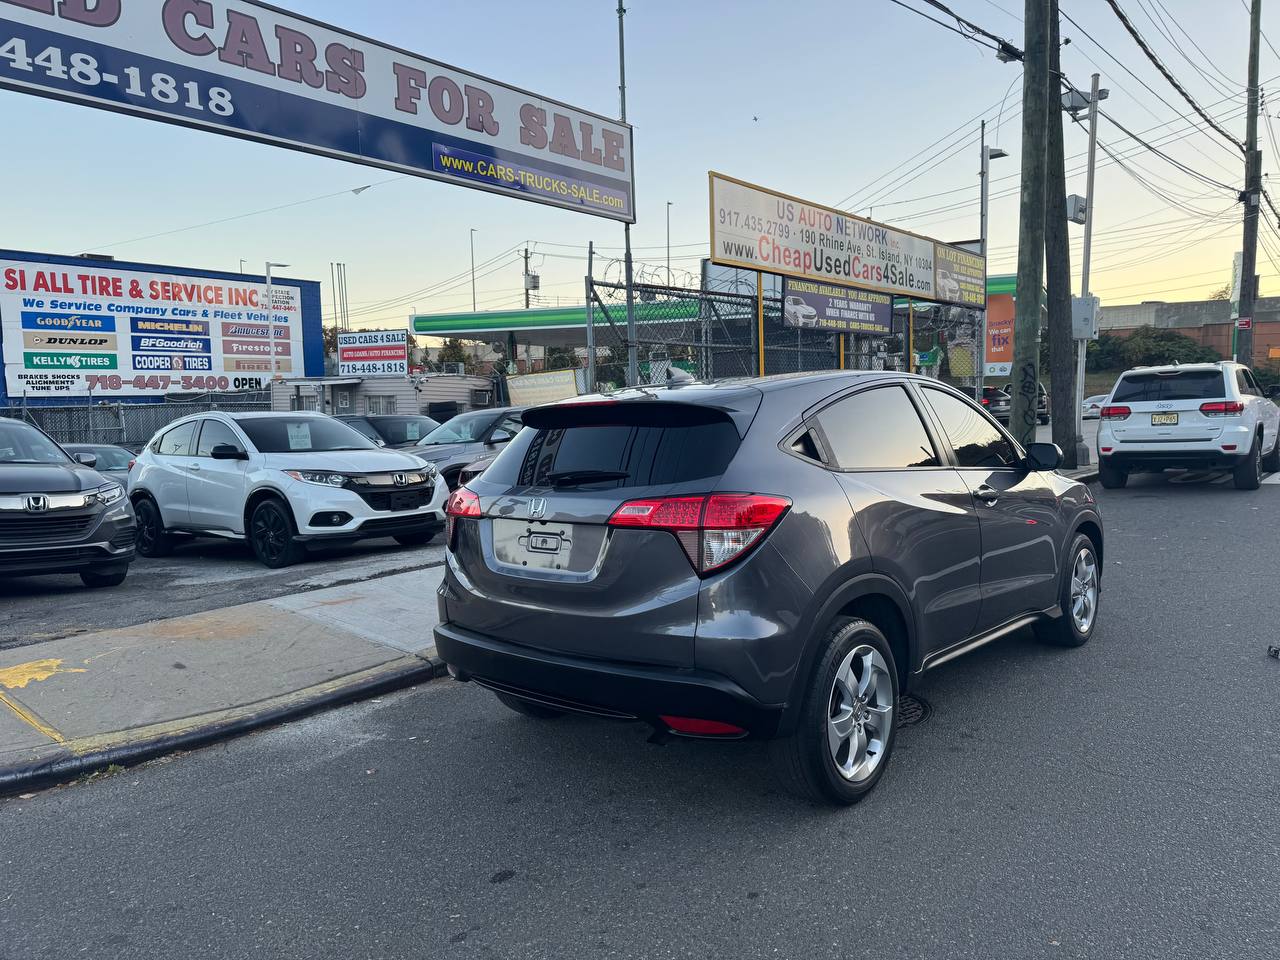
x=78 y=703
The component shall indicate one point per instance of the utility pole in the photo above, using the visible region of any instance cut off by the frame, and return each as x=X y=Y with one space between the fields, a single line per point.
x=1026 y=337
x=984 y=174
x=633 y=359
x=1063 y=401
x=1082 y=346
x=473 y=269
x=1252 y=198
x=526 y=278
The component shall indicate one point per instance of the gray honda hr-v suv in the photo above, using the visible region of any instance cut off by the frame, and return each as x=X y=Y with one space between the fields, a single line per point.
x=773 y=558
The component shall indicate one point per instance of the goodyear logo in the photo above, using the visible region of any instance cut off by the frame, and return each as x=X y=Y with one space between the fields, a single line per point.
x=69 y=361
x=39 y=320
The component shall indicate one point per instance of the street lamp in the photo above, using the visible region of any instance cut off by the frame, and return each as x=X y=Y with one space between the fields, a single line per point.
x=668 y=243
x=473 y=269
x=984 y=175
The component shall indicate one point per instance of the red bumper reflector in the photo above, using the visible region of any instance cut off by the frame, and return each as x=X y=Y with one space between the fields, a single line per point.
x=1228 y=446
x=702 y=728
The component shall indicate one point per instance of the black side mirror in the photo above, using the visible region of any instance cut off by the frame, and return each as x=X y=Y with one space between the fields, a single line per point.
x=87 y=459
x=1044 y=456
x=1273 y=391
x=228 y=451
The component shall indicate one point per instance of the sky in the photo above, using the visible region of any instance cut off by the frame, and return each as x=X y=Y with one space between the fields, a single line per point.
x=859 y=104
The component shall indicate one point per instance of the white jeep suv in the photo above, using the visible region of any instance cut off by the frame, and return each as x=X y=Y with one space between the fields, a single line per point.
x=281 y=481
x=1209 y=416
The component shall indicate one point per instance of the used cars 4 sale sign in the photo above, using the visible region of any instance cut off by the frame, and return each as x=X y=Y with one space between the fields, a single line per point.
x=72 y=331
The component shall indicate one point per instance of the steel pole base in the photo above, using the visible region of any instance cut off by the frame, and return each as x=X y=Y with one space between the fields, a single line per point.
x=1082 y=454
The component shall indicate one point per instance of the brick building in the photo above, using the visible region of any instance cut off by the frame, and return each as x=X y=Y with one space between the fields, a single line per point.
x=1206 y=321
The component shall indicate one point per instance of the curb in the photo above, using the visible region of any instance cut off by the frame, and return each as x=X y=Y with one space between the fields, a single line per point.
x=55 y=770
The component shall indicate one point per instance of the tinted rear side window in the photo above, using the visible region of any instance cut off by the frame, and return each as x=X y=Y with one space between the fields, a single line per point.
x=1189 y=385
x=877 y=430
x=649 y=454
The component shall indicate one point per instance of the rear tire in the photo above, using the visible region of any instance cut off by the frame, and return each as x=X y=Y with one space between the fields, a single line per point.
x=1077 y=597
x=1271 y=462
x=153 y=540
x=1248 y=475
x=848 y=719
x=105 y=577
x=1113 y=478
x=527 y=709
x=272 y=535
x=415 y=539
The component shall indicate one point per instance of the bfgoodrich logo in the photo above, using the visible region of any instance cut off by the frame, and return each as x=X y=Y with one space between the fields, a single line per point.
x=69 y=361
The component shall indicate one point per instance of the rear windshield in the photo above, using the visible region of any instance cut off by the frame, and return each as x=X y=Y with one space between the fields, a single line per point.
x=634 y=452
x=1187 y=385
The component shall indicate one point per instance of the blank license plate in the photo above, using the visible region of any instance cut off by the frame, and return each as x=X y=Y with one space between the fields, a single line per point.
x=1164 y=419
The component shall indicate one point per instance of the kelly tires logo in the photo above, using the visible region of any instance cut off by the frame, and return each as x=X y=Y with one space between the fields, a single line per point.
x=70 y=361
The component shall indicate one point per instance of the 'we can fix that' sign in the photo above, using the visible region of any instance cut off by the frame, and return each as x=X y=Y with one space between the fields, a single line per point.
x=248 y=70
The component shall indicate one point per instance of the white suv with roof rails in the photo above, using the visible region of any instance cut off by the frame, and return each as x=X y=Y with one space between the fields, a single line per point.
x=281 y=481
x=1209 y=416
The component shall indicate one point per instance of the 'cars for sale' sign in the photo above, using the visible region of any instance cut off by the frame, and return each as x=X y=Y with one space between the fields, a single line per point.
x=373 y=353
x=759 y=229
x=97 y=330
x=250 y=70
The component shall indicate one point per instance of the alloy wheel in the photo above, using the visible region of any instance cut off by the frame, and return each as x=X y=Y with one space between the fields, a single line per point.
x=860 y=717
x=1084 y=591
x=270 y=533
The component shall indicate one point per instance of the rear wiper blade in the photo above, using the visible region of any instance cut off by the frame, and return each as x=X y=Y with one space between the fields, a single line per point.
x=572 y=478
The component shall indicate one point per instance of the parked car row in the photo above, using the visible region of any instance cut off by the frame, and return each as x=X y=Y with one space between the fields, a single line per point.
x=281 y=482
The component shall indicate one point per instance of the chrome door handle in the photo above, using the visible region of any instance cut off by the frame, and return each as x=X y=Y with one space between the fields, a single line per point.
x=988 y=495
x=193 y=466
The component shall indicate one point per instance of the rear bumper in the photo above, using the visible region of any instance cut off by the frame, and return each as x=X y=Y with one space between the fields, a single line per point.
x=600 y=687
x=1138 y=460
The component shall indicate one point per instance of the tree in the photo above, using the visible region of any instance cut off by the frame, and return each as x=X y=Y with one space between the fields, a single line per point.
x=1222 y=294
x=1150 y=346
x=560 y=358
x=330 y=340
x=453 y=351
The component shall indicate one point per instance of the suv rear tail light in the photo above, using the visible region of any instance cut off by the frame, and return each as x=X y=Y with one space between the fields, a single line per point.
x=714 y=530
x=462 y=503
x=1115 y=413
x=1222 y=408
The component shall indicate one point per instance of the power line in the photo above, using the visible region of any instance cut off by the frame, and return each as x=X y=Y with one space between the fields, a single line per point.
x=943 y=24
x=1003 y=46
x=1244 y=4
x=1164 y=71
x=1123 y=66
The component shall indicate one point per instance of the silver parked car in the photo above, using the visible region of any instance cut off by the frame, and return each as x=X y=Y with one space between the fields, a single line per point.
x=467 y=438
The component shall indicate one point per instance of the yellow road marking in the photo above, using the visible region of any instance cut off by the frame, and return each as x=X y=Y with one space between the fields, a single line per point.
x=16 y=678
x=28 y=717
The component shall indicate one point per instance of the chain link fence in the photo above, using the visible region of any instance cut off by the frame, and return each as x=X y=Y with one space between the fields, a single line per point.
x=128 y=425
x=710 y=334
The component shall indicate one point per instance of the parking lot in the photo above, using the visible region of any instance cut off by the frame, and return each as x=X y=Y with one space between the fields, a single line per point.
x=1115 y=800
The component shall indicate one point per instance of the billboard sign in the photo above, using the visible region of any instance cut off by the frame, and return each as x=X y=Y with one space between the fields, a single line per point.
x=250 y=70
x=810 y=305
x=93 y=329
x=1000 y=316
x=759 y=229
x=374 y=353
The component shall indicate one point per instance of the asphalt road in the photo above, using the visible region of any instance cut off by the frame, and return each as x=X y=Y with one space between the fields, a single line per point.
x=199 y=575
x=1116 y=801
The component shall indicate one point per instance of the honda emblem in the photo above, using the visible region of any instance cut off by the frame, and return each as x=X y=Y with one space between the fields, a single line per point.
x=537 y=508
x=400 y=479
x=37 y=503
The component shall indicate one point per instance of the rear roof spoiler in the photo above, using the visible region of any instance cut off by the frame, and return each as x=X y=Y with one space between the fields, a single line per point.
x=651 y=407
